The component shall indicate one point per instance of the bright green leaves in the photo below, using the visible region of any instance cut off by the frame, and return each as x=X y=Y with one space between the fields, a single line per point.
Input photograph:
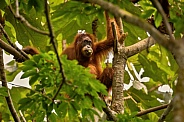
x=71 y=16
x=32 y=11
x=78 y=96
x=159 y=65
x=29 y=73
x=39 y=67
x=82 y=89
x=158 y=19
x=126 y=117
x=177 y=17
x=80 y=76
x=147 y=9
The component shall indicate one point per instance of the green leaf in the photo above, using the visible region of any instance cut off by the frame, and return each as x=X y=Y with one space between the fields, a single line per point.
x=10 y=30
x=37 y=4
x=72 y=112
x=29 y=64
x=4 y=3
x=99 y=104
x=33 y=79
x=148 y=13
x=158 y=19
x=29 y=73
x=24 y=35
x=62 y=109
x=75 y=104
x=11 y=75
x=3 y=91
x=87 y=102
x=91 y=115
x=153 y=117
x=26 y=103
x=17 y=93
x=24 y=100
x=41 y=117
x=52 y=117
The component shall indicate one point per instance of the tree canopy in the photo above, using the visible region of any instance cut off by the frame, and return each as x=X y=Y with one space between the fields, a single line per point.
x=62 y=90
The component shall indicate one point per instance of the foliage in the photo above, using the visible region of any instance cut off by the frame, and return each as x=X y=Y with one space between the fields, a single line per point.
x=76 y=98
x=130 y=118
x=79 y=94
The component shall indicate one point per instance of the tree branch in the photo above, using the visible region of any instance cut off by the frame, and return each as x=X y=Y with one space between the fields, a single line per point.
x=157 y=4
x=130 y=18
x=174 y=46
x=12 y=51
x=22 y=116
x=119 y=62
x=4 y=83
x=139 y=46
x=23 y=20
x=166 y=112
x=152 y=110
x=110 y=114
x=12 y=44
x=52 y=40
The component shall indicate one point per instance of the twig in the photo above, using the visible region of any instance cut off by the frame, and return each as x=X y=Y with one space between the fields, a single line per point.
x=4 y=83
x=12 y=44
x=157 y=4
x=154 y=88
x=12 y=51
x=52 y=40
x=166 y=112
x=22 y=116
x=152 y=110
x=24 y=21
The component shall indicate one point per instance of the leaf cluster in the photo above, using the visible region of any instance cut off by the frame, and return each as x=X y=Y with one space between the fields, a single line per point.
x=78 y=96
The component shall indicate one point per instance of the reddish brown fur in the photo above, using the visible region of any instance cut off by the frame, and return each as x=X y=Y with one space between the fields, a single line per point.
x=100 y=50
x=30 y=50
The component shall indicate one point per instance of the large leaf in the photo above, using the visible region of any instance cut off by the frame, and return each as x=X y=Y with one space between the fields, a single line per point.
x=133 y=34
x=18 y=93
x=25 y=35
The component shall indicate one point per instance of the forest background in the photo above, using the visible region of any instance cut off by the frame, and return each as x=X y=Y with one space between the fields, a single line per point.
x=153 y=54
